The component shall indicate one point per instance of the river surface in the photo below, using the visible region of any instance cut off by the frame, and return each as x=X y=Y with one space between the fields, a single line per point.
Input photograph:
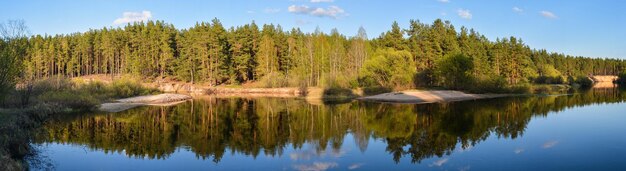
x=581 y=131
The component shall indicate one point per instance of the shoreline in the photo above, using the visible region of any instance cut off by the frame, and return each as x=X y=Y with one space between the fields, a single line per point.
x=428 y=96
x=407 y=96
x=166 y=99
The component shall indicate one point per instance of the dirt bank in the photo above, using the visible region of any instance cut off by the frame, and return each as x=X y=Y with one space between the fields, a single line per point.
x=423 y=96
x=604 y=78
x=153 y=100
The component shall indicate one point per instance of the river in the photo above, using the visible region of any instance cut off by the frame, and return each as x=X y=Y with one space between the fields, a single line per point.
x=581 y=131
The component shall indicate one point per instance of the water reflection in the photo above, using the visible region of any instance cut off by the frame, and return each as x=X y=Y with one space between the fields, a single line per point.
x=213 y=127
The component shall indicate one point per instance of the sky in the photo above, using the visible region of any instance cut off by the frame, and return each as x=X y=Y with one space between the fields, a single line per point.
x=575 y=27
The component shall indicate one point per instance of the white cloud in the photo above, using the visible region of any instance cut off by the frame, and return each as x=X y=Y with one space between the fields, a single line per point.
x=517 y=10
x=444 y=1
x=128 y=17
x=463 y=13
x=439 y=162
x=332 y=11
x=271 y=10
x=549 y=144
x=548 y=15
x=318 y=1
x=250 y=12
x=299 y=9
x=518 y=150
x=316 y=166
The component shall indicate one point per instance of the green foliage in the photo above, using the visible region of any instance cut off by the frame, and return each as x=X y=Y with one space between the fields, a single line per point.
x=368 y=91
x=273 y=57
x=273 y=80
x=11 y=52
x=338 y=92
x=454 y=71
x=68 y=94
x=388 y=68
x=549 y=75
x=69 y=98
x=127 y=87
x=582 y=81
x=621 y=79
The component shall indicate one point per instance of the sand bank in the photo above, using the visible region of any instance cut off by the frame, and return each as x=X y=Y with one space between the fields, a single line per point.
x=153 y=100
x=423 y=96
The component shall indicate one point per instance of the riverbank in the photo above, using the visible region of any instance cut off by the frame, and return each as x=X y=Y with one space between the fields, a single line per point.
x=147 y=100
x=428 y=96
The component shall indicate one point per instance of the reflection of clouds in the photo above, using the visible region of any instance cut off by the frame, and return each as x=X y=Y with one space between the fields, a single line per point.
x=338 y=153
x=439 y=162
x=302 y=155
x=518 y=150
x=466 y=168
x=310 y=154
x=355 y=166
x=316 y=166
x=550 y=144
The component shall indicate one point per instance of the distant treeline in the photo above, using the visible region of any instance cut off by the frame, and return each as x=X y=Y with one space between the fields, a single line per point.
x=425 y=55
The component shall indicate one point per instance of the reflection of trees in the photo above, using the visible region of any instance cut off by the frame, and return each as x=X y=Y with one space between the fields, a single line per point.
x=209 y=127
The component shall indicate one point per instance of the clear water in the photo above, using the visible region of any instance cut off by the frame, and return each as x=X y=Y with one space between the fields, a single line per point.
x=583 y=131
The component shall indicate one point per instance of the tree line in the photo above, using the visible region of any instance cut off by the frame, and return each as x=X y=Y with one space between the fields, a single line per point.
x=422 y=55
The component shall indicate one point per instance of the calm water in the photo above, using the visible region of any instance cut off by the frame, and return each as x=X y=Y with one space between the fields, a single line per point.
x=583 y=131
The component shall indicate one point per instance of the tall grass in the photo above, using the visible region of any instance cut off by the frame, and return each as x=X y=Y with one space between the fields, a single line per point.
x=74 y=95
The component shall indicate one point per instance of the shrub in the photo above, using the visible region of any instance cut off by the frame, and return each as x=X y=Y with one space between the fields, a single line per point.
x=377 y=71
x=549 y=75
x=69 y=99
x=128 y=87
x=582 y=81
x=368 y=91
x=273 y=80
x=520 y=89
x=454 y=71
x=488 y=85
x=549 y=80
x=338 y=92
x=497 y=85
x=621 y=78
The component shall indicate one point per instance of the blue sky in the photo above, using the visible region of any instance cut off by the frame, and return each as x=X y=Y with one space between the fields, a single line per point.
x=588 y=28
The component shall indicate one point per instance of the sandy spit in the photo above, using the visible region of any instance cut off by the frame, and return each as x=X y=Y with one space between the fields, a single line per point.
x=427 y=96
x=153 y=100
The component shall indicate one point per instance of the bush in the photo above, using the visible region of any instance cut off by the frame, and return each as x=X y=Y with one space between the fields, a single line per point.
x=338 y=81
x=488 y=85
x=497 y=85
x=520 y=89
x=377 y=70
x=69 y=99
x=549 y=75
x=273 y=80
x=65 y=93
x=621 y=78
x=338 y=92
x=368 y=91
x=126 y=87
x=582 y=81
x=549 y=80
x=454 y=71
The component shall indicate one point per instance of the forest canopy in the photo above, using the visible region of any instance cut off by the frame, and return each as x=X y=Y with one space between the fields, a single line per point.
x=423 y=55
